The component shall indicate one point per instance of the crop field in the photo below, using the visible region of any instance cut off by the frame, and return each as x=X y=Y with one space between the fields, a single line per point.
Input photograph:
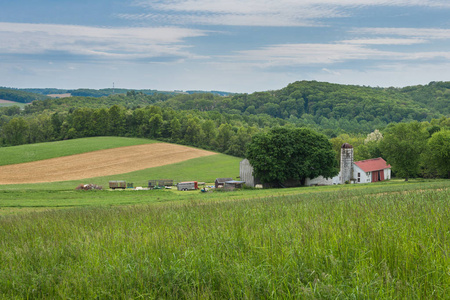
x=99 y=163
x=41 y=151
x=4 y=103
x=387 y=240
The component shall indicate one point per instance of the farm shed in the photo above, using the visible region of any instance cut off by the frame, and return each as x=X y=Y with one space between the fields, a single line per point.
x=371 y=170
x=220 y=182
x=234 y=184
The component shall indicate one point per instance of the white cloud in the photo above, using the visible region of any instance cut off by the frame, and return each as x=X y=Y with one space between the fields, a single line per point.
x=288 y=55
x=385 y=41
x=420 y=33
x=309 y=54
x=117 y=43
x=262 y=12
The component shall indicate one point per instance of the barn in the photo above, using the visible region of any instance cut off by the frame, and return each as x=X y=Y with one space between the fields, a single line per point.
x=371 y=170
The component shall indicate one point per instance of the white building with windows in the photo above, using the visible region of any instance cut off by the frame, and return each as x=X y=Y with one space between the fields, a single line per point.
x=371 y=170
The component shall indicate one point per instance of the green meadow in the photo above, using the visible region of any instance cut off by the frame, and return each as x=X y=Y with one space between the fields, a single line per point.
x=388 y=240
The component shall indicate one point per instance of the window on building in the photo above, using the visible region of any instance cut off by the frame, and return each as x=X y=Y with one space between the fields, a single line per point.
x=359 y=179
x=359 y=175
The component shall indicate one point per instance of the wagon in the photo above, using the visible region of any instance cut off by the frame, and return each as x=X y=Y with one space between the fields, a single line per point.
x=117 y=184
x=187 y=185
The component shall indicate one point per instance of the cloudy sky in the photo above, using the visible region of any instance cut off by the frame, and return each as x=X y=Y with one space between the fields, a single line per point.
x=232 y=45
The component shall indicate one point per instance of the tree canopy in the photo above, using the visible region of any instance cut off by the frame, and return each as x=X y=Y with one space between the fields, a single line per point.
x=439 y=152
x=285 y=153
x=403 y=145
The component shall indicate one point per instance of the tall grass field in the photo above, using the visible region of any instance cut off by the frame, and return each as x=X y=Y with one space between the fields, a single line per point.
x=388 y=240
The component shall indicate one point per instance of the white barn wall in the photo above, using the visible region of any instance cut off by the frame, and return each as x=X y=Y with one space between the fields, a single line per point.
x=246 y=173
x=364 y=177
x=323 y=181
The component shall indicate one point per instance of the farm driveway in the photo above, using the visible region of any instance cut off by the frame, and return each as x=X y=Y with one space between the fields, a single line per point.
x=99 y=163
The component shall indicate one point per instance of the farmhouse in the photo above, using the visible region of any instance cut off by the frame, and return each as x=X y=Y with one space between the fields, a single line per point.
x=370 y=170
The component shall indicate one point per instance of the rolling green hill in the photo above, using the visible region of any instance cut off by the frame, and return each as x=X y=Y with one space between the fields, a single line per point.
x=19 y=96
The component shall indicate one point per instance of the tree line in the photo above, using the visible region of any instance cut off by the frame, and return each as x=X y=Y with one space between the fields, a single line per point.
x=413 y=149
x=208 y=130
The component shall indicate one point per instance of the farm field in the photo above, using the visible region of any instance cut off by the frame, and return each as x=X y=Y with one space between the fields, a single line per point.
x=41 y=151
x=382 y=240
x=99 y=163
x=385 y=241
x=4 y=103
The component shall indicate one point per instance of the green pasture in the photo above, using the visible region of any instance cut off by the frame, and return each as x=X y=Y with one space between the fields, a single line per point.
x=372 y=241
x=40 y=151
x=21 y=105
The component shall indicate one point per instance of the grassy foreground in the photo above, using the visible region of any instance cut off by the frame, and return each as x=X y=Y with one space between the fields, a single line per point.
x=334 y=243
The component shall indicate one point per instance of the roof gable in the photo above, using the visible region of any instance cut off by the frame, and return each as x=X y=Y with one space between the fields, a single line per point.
x=374 y=164
x=224 y=179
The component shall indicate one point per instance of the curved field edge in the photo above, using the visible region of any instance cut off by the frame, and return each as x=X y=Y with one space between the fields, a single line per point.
x=41 y=151
x=23 y=200
x=202 y=169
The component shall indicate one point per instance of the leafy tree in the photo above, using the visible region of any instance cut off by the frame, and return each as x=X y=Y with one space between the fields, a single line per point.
x=439 y=152
x=291 y=153
x=175 y=129
x=15 y=131
x=224 y=137
x=155 y=125
x=402 y=146
x=194 y=132
x=209 y=130
x=116 y=120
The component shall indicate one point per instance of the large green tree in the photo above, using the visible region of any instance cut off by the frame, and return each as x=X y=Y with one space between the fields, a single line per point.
x=439 y=152
x=286 y=153
x=402 y=147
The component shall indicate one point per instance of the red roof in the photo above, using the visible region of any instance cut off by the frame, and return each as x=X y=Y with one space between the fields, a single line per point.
x=374 y=164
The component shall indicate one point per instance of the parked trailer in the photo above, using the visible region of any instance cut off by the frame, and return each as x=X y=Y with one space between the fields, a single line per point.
x=187 y=185
x=117 y=184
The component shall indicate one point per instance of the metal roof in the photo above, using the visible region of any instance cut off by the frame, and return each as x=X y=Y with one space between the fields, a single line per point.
x=374 y=164
x=346 y=145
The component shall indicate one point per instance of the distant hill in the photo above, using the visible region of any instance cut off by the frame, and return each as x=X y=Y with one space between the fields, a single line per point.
x=331 y=101
x=20 y=96
x=109 y=91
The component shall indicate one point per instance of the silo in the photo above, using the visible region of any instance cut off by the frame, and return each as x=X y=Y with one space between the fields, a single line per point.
x=346 y=163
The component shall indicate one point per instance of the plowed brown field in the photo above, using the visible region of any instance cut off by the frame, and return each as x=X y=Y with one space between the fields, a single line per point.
x=98 y=163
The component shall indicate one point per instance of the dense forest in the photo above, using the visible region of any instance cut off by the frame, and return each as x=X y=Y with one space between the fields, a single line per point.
x=19 y=96
x=354 y=114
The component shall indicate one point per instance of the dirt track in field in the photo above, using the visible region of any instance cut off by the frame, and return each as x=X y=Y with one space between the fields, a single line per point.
x=6 y=101
x=98 y=163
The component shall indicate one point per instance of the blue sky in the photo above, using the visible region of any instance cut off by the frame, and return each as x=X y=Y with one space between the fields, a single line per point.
x=235 y=46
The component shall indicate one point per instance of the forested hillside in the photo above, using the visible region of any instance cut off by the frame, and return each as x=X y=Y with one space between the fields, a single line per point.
x=227 y=123
x=19 y=96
